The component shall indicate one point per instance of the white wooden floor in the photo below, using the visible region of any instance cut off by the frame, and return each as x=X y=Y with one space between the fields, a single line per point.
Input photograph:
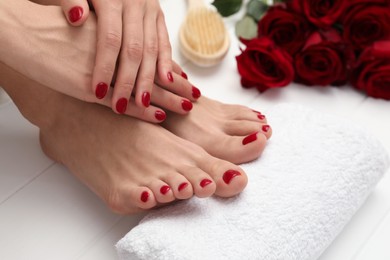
x=45 y=213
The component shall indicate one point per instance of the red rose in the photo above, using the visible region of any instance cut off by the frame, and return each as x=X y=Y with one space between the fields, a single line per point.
x=287 y=29
x=323 y=60
x=263 y=65
x=366 y=22
x=322 y=13
x=372 y=72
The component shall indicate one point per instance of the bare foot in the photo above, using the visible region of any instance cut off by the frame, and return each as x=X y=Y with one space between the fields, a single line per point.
x=132 y=165
x=230 y=132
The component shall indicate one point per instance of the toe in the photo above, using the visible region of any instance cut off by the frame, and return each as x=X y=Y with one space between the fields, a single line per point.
x=241 y=127
x=202 y=183
x=162 y=191
x=181 y=187
x=266 y=130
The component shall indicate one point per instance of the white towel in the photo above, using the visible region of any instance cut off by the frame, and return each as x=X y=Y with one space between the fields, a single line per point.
x=313 y=176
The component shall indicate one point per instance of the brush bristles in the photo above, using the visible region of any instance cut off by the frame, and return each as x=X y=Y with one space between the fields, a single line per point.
x=204 y=31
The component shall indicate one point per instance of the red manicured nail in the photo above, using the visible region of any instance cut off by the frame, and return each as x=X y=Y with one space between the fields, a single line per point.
x=265 y=128
x=186 y=105
x=144 y=196
x=261 y=117
x=182 y=186
x=160 y=115
x=229 y=175
x=205 y=182
x=169 y=76
x=250 y=138
x=164 y=189
x=196 y=92
x=184 y=75
x=75 y=14
x=146 y=99
x=101 y=90
x=121 y=105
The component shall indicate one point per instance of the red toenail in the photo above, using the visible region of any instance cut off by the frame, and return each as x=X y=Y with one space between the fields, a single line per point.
x=160 y=115
x=250 y=138
x=101 y=90
x=144 y=196
x=261 y=117
x=146 y=99
x=169 y=76
x=257 y=112
x=186 y=105
x=196 y=92
x=182 y=186
x=121 y=105
x=164 y=189
x=184 y=75
x=75 y=14
x=265 y=128
x=229 y=175
x=205 y=182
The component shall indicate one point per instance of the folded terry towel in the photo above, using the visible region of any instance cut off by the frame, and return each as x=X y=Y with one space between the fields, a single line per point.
x=313 y=176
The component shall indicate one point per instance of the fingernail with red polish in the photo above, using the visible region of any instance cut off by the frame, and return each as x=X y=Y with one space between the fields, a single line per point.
x=265 y=128
x=75 y=14
x=257 y=112
x=186 y=105
x=169 y=76
x=146 y=99
x=144 y=196
x=184 y=75
x=182 y=186
x=205 y=182
x=250 y=138
x=196 y=92
x=261 y=117
x=229 y=175
x=121 y=105
x=160 y=115
x=101 y=90
x=164 y=189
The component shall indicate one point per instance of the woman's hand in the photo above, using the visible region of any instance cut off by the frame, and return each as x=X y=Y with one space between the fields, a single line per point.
x=132 y=37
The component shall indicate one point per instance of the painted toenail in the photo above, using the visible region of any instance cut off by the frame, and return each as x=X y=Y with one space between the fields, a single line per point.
x=160 y=115
x=186 y=105
x=182 y=186
x=164 y=189
x=250 y=138
x=229 y=175
x=257 y=112
x=144 y=196
x=196 y=92
x=265 y=128
x=184 y=75
x=146 y=99
x=169 y=76
x=261 y=117
x=121 y=105
x=205 y=182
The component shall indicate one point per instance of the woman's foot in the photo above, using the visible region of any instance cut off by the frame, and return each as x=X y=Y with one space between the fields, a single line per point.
x=230 y=132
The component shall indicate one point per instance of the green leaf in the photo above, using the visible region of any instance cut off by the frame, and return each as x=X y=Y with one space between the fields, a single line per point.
x=256 y=9
x=246 y=28
x=227 y=7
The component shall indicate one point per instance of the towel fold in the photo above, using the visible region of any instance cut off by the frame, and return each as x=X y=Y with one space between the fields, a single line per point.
x=313 y=176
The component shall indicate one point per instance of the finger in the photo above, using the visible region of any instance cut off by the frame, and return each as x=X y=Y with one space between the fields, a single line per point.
x=76 y=11
x=131 y=52
x=181 y=87
x=147 y=70
x=109 y=41
x=170 y=101
x=164 y=64
x=151 y=114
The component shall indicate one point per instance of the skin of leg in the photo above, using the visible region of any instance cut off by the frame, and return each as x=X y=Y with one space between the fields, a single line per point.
x=132 y=165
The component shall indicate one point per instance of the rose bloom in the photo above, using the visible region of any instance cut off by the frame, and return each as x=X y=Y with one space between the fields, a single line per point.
x=366 y=22
x=323 y=60
x=372 y=72
x=263 y=65
x=322 y=13
x=287 y=29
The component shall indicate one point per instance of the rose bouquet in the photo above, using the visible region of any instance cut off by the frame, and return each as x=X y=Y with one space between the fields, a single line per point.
x=314 y=42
